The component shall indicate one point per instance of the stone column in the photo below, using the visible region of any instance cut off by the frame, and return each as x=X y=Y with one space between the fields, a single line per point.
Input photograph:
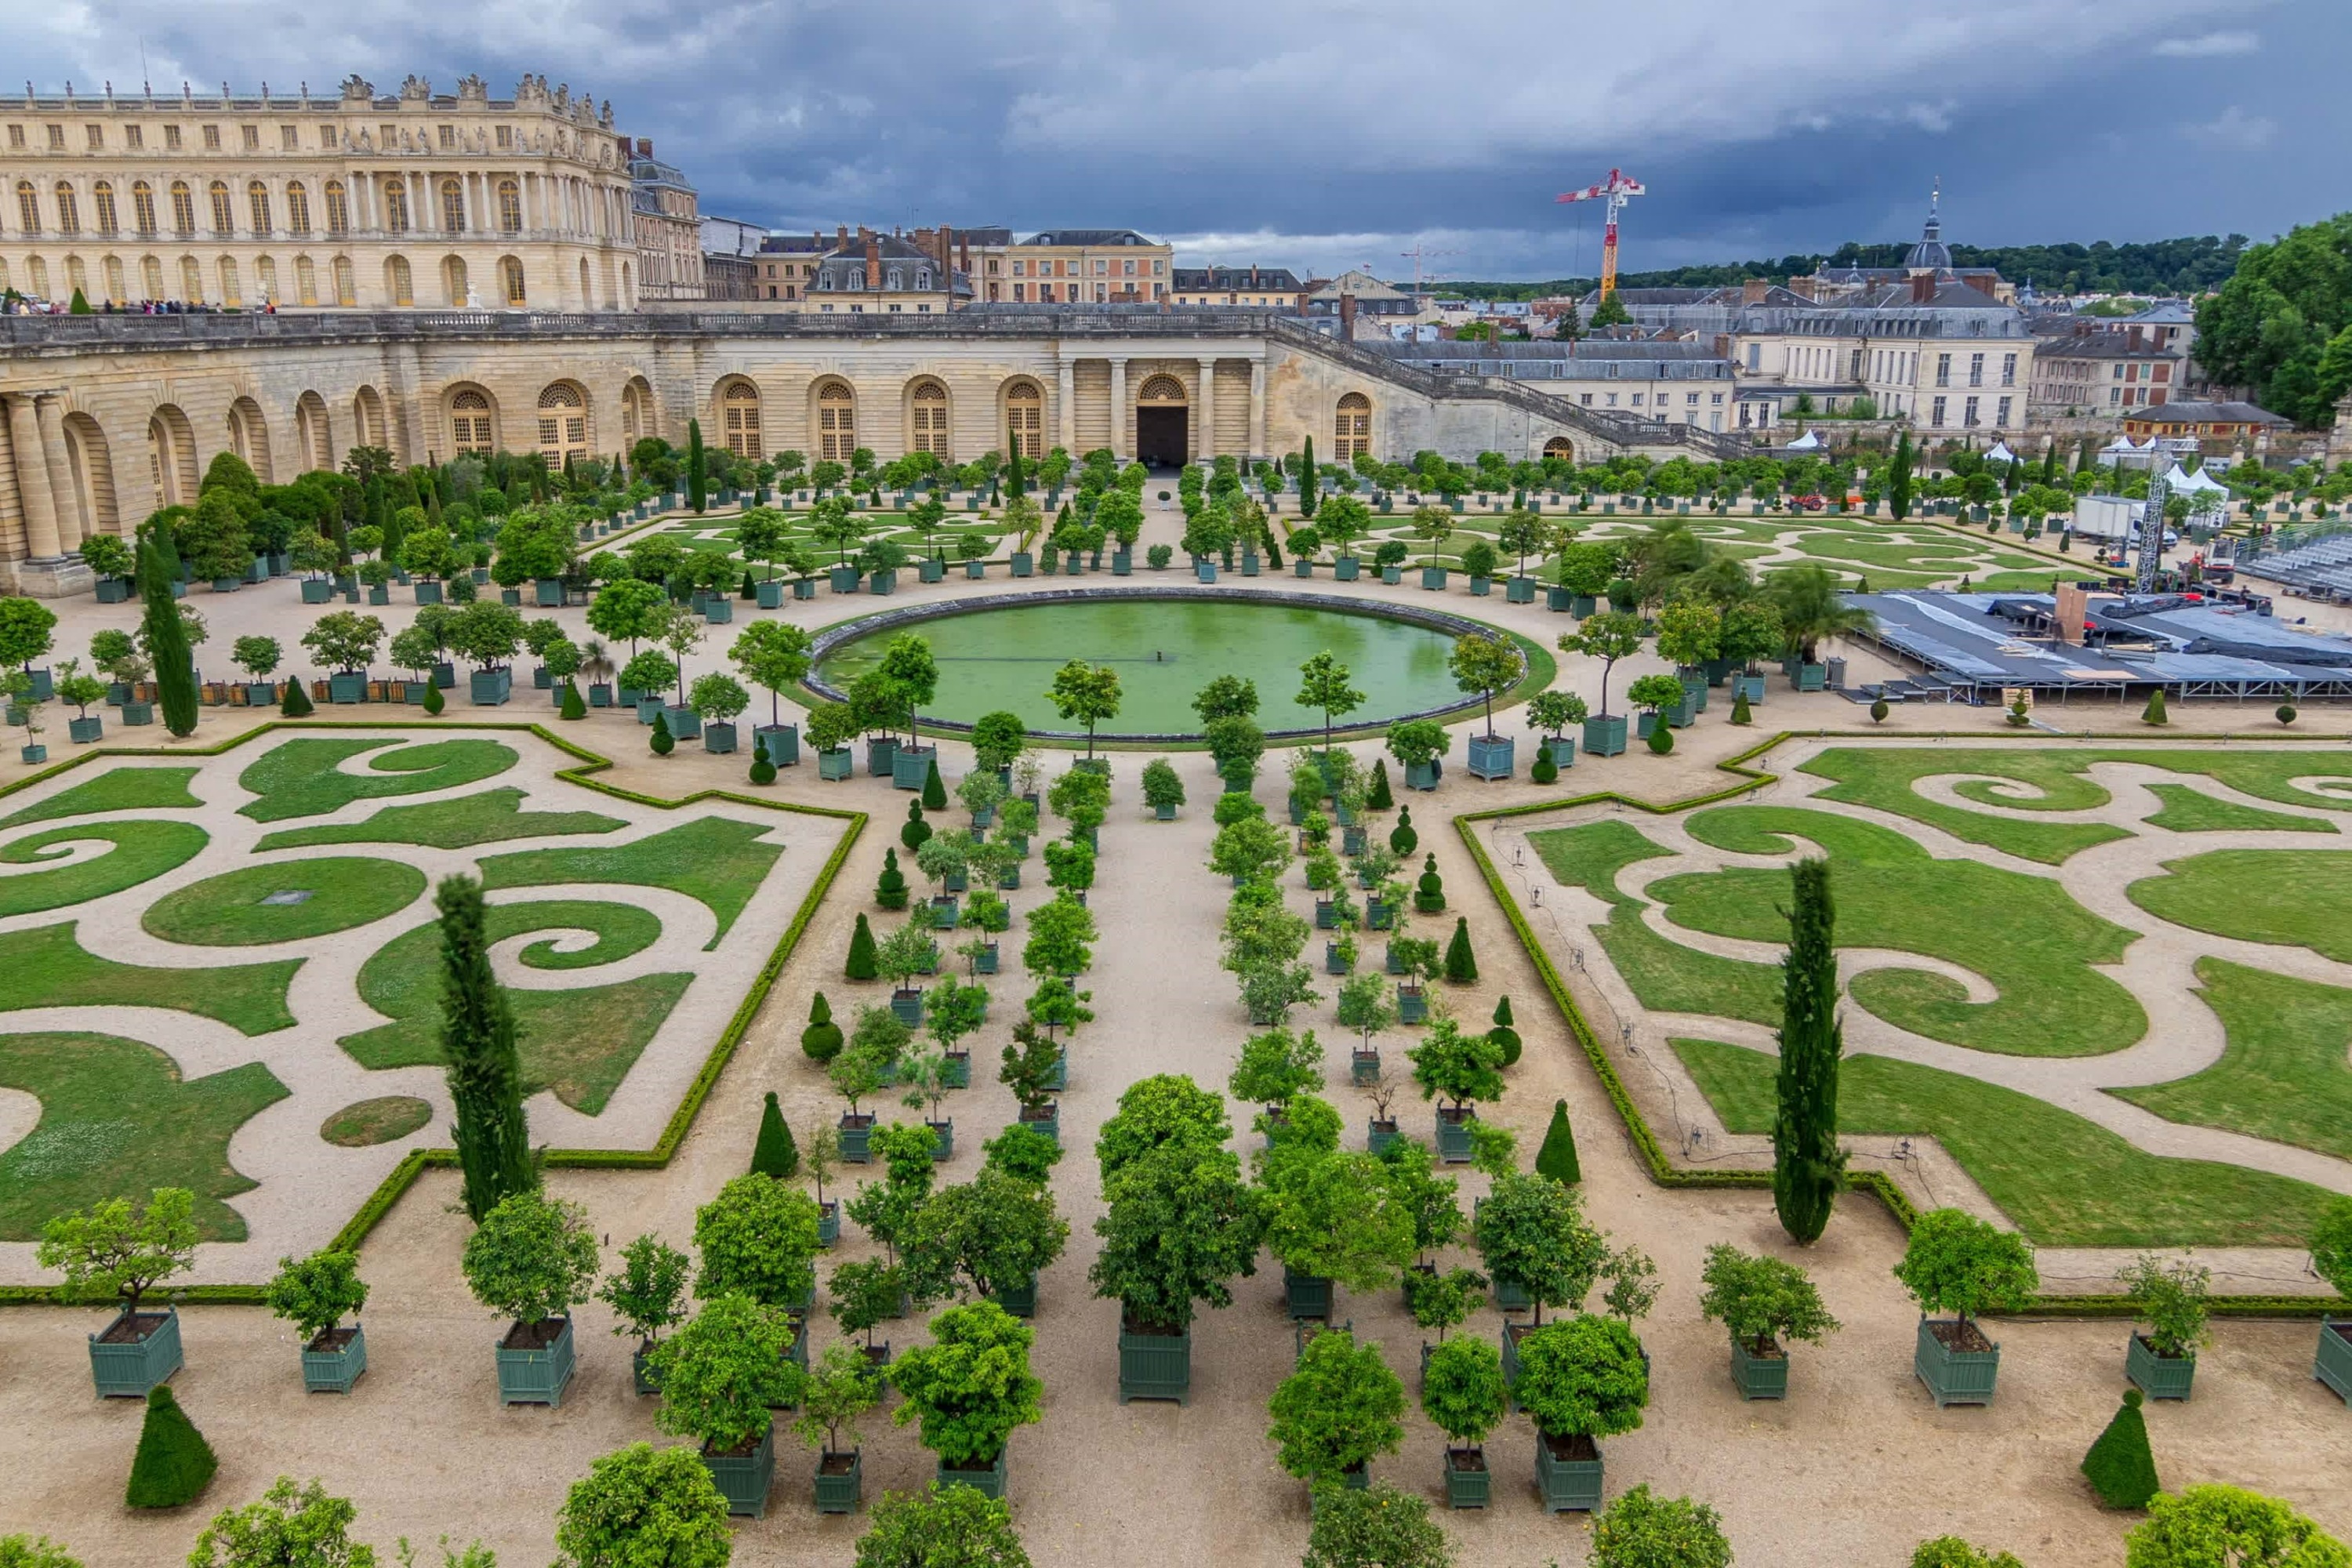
x=1258 y=447
x=1066 y=408
x=1119 y=415
x=32 y=480
x=1206 y=446
x=51 y=423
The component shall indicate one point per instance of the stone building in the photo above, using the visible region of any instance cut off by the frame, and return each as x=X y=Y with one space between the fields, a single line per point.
x=1266 y=288
x=668 y=222
x=103 y=418
x=412 y=199
x=2088 y=374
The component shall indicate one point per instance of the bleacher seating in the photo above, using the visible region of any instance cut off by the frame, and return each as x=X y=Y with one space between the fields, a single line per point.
x=2321 y=569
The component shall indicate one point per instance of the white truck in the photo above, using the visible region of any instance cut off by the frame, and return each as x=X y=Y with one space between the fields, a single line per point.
x=2111 y=520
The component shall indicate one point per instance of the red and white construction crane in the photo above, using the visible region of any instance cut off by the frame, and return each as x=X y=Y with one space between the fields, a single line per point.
x=1615 y=190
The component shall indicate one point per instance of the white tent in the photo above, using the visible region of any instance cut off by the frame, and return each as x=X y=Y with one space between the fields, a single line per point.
x=1805 y=443
x=2001 y=454
x=2192 y=484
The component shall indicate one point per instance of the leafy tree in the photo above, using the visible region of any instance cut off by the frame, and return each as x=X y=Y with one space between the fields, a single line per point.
x=721 y=1374
x=2171 y=1299
x=289 y=1527
x=1487 y=664
x=1338 y=1411
x=1608 y=637
x=1461 y=1067
x=2120 y=1464
x=2272 y=325
x=841 y=1388
x=1532 y=1231
x=1761 y=1299
x=971 y=1388
x=1364 y=1005
x=643 y=1507
x=987 y=1236
x=1085 y=693
x=1323 y=685
x=1461 y=1390
x=477 y=1045
x=1178 y=1224
x=1417 y=743
x=1276 y=1066
x=1951 y=1552
x=116 y=1251
x=173 y=1464
x=945 y=1527
x=2206 y=1525
x=647 y=1292
x=1374 y=1527
x=531 y=1258
x=1812 y=607
x=1641 y=1529
x=1331 y=1215
x=27 y=1552
x=316 y=1293
x=1582 y=1376
x=631 y=609
x=757 y=1239
x=1959 y=1264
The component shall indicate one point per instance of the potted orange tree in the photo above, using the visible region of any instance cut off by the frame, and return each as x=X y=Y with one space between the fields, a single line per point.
x=315 y=1294
x=970 y=1389
x=531 y=1259
x=1580 y=1379
x=647 y=1294
x=721 y=1378
x=1959 y=1264
x=1764 y=1303
x=116 y=1252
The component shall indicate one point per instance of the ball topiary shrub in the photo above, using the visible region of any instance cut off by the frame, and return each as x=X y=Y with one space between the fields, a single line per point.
x=1429 y=894
x=916 y=832
x=1545 y=771
x=1878 y=711
x=763 y=772
x=173 y=1464
x=890 y=890
x=821 y=1040
x=1503 y=1035
x=1662 y=739
x=1402 y=839
x=2285 y=713
x=664 y=743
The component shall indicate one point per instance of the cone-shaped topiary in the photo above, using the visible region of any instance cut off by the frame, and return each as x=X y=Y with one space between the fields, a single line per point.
x=890 y=892
x=1545 y=771
x=1739 y=709
x=1503 y=1035
x=821 y=1039
x=1379 y=799
x=2121 y=1468
x=775 y=1154
x=747 y=589
x=2154 y=712
x=1461 y=965
x=664 y=743
x=1429 y=894
x=935 y=789
x=1557 y=1158
x=1402 y=839
x=1662 y=739
x=433 y=701
x=296 y=703
x=916 y=832
x=175 y=1464
x=763 y=772
x=864 y=964
x=573 y=707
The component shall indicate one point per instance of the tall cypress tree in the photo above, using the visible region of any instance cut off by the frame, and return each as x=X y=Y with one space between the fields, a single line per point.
x=166 y=635
x=1014 y=484
x=1898 y=479
x=478 y=1048
x=1308 y=490
x=697 y=467
x=1808 y=1166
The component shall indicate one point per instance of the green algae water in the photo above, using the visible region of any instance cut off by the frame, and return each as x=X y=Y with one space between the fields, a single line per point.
x=1165 y=650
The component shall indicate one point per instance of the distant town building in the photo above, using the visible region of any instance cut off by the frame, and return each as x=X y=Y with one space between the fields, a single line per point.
x=668 y=227
x=1356 y=304
x=887 y=274
x=1270 y=287
x=2186 y=419
x=2084 y=373
x=1657 y=382
x=730 y=253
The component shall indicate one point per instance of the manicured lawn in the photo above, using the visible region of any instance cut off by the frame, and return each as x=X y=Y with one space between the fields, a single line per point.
x=2190 y=810
x=2022 y=934
x=2063 y=1181
x=2284 y=1075
x=127 y=788
x=717 y=859
x=581 y=1043
x=368 y=1122
x=117 y=1119
x=49 y=967
x=228 y=911
x=492 y=816
x=301 y=777
x=142 y=850
x=2297 y=896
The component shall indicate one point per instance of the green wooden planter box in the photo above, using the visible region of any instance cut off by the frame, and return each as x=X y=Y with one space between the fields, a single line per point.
x=946 y=912
x=1468 y=1482
x=841 y=1488
x=1454 y=1137
x=650 y=708
x=1302 y=569
x=1605 y=736
x=1752 y=686
x=685 y=723
x=839 y=763
x=718 y=737
x=1561 y=750
x=718 y=610
x=1024 y=564
x=907 y=1002
x=318 y=590
x=857 y=1144
x=2159 y=1376
x=1155 y=1367
x=1810 y=676
x=1412 y=1006
x=828 y=1223
x=347 y=687
x=1307 y=1295
x=1049 y=1123
x=987 y=1481
x=128 y=1370
x=85 y=731
x=1421 y=776
x=958 y=1070
x=1021 y=1299
x=2333 y=1363
x=780 y=744
x=1954 y=1377
x=1759 y=1376
x=428 y=592
x=930 y=570
x=1482 y=587
x=881 y=759
x=1492 y=756
x=882 y=581
x=1207 y=570
x=1569 y=1485
x=1249 y=564
x=909 y=765
x=1511 y=1296
x=744 y=1479
x=1346 y=568
x=335 y=1369
x=843 y=579
x=770 y=595
x=1363 y=1067
x=640 y=1375
x=1519 y=591
x=1393 y=576
x=943 y=1138
x=536 y=1376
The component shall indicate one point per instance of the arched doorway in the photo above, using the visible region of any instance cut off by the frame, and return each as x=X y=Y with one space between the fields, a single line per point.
x=92 y=468
x=927 y=418
x=738 y=405
x=1559 y=447
x=248 y=437
x=1351 y=429
x=312 y=434
x=1162 y=423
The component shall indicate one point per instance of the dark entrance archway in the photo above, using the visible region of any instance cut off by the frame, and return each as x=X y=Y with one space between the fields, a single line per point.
x=1161 y=436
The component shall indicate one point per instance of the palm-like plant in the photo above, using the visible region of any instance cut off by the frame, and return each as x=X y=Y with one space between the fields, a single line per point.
x=594 y=662
x=1811 y=609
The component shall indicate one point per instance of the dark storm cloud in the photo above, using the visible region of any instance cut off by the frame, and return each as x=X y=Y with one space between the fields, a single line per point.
x=1324 y=136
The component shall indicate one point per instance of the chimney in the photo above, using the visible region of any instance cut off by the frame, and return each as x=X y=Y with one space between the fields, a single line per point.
x=1348 y=316
x=841 y=234
x=1751 y=291
x=644 y=146
x=873 y=261
x=2132 y=339
x=1723 y=345
x=965 y=254
x=1923 y=287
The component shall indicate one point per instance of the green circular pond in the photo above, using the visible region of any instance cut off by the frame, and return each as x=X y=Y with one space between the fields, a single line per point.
x=1164 y=650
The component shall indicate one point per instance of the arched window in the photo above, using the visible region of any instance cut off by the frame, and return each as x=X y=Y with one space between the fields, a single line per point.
x=142 y=208
x=264 y=275
x=930 y=410
x=1351 y=434
x=68 y=210
x=1161 y=389
x=257 y=197
x=1559 y=447
x=347 y=283
x=453 y=281
x=183 y=209
x=636 y=411
x=562 y=424
x=510 y=279
x=192 y=280
x=115 y=290
x=1025 y=418
x=28 y=207
x=77 y=277
x=298 y=208
x=510 y=207
x=37 y=274
x=398 y=288
x=224 y=215
x=306 y=280
x=151 y=276
x=101 y=201
x=396 y=206
x=339 y=209
x=469 y=423
x=453 y=207
x=739 y=408
x=837 y=423
x=232 y=295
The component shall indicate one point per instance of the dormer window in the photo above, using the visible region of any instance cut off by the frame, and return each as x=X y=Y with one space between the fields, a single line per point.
x=922 y=278
x=857 y=277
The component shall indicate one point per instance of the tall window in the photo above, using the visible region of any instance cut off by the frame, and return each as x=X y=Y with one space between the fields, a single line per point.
x=1352 y=431
x=454 y=282
x=347 y=285
x=1024 y=415
x=231 y=295
x=142 y=208
x=183 y=209
x=739 y=408
x=256 y=197
x=151 y=276
x=510 y=207
x=298 y=208
x=101 y=201
x=192 y=280
x=511 y=282
x=562 y=424
x=453 y=207
x=28 y=207
x=396 y=206
x=397 y=283
x=339 y=209
x=469 y=423
x=306 y=280
x=931 y=418
x=264 y=276
x=224 y=215
x=68 y=210
x=837 y=423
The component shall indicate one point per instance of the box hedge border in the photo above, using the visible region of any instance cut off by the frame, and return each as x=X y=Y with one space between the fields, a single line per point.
x=416 y=1160
x=1663 y=1169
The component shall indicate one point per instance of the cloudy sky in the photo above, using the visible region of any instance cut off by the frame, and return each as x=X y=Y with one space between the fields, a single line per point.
x=1349 y=132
